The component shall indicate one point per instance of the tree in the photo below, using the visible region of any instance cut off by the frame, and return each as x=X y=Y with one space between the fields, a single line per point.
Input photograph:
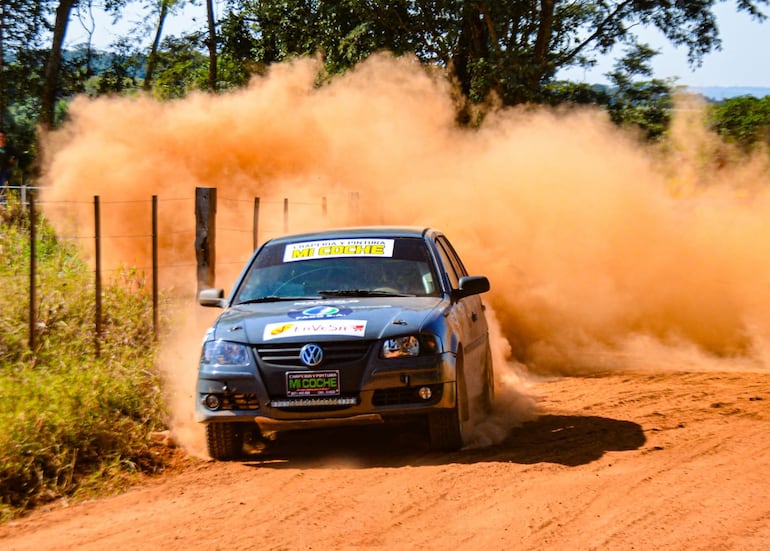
x=48 y=97
x=21 y=77
x=164 y=9
x=20 y=24
x=63 y=11
x=120 y=73
x=211 y=42
x=181 y=67
x=744 y=120
x=152 y=57
x=528 y=42
x=256 y=34
x=646 y=104
x=511 y=50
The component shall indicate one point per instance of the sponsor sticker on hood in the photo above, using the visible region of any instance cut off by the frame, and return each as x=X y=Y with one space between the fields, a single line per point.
x=283 y=330
x=320 y=312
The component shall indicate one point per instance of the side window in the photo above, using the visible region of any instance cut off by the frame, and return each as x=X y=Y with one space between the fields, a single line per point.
x=454 y=267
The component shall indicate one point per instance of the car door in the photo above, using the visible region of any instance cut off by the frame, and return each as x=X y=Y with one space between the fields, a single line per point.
x=468 y=313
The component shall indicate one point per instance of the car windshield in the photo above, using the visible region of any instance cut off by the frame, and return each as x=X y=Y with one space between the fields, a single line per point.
x=340 y=267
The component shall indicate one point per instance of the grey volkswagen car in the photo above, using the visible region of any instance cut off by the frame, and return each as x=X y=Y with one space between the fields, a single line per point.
x=358 y=325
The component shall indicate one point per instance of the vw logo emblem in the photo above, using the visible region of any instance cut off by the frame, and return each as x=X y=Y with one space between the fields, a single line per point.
x=311 y=355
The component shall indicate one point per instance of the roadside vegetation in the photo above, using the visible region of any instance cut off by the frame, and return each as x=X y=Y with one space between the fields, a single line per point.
x=744 y=121
x=72 y=424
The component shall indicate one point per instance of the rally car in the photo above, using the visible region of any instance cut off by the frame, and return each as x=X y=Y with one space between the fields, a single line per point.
x=350 y=326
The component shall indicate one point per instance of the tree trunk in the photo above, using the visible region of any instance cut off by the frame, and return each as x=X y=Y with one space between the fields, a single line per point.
x=48 y=98
x=472 y=45
x=542 y=43
x=2 y=67
x=152 y=59
x=212 y=43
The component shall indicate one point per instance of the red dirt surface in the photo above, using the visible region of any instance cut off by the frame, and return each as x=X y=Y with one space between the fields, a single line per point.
x=632 y=460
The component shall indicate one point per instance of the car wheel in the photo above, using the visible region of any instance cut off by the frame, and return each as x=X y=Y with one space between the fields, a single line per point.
x=224 y=440
x=488 y=394
x=445 y=427
x=445 y=430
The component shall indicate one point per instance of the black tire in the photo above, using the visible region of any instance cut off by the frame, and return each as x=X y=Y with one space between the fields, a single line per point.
x=224 y=440
x=445 y=430
x=445 y=427
x=488 y=394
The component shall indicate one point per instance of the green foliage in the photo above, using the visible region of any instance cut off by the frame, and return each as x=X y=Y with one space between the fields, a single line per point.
x=645 y=104
x=254 y=35
x=181 y=68
x=21 y=82
x=511 y=50
x=73 y=423
x=118 y=72
x=743 y=120
x=577 y=93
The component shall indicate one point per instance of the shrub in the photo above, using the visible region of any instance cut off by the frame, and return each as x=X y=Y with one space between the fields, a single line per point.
x=73 y=423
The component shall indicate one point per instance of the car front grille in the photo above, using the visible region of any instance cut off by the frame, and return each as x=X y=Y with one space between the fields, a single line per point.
x=288 y=355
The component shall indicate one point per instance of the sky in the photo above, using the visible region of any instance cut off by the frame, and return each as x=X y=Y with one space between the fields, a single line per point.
x=742 y=61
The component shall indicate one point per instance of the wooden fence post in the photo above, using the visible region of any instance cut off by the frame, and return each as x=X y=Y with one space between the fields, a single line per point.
x=205 y=235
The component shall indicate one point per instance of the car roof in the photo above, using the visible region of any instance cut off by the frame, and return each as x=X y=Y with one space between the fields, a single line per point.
x=360 y=232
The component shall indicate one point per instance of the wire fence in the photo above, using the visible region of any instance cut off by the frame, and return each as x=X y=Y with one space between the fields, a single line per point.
x=160 y=238
x=23 y=191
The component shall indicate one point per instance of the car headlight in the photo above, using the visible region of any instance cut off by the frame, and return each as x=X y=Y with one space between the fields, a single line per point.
x=410 y=345
x=224 y=353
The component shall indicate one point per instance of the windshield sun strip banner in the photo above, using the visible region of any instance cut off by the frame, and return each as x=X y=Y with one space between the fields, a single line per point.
x=283 y=330
x=338 y=248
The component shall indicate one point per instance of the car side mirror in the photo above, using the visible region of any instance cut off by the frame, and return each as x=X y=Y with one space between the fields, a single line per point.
x=471 y=285
x=214 y=298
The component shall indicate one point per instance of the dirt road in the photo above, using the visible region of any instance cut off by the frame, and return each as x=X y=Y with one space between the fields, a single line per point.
x=619 y=461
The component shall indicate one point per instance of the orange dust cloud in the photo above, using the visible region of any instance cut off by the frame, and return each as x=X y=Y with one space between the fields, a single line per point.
x=603 y=252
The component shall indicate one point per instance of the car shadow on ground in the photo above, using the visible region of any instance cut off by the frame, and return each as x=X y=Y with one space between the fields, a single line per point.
x=569 y=440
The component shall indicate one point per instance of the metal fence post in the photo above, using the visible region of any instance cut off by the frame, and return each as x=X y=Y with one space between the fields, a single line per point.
x=255 y=225
x=32 y=274
x=98 y=274
x=155 y=266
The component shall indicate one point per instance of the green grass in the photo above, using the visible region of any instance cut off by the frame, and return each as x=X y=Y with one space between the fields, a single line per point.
x=72 y=424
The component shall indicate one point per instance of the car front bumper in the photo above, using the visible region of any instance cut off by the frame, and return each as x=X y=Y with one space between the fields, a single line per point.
x=388 y=390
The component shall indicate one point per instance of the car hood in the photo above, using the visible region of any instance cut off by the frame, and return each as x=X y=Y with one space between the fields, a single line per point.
x=323 y=320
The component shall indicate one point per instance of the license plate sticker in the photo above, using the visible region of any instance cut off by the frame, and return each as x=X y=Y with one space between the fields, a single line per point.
x=314 y=383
